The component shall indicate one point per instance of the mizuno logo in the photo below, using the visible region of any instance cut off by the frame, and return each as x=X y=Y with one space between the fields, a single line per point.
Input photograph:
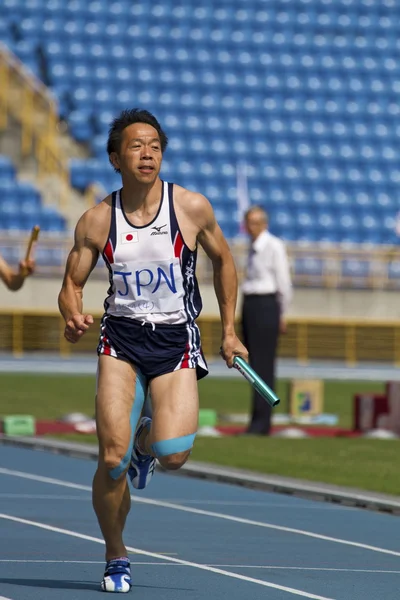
x=158 y=230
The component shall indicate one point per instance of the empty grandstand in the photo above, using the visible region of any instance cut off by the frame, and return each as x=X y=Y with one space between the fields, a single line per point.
x=304 y=93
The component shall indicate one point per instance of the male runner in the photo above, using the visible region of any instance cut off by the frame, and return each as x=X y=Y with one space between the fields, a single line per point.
x=147 y=233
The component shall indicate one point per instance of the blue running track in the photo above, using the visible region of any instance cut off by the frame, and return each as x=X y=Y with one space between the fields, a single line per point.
x=189 y=539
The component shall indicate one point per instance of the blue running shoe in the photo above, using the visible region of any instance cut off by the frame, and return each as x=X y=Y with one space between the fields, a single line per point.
x=142 y=466
x=117 y=576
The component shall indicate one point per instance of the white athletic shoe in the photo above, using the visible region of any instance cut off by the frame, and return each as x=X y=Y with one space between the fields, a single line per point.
x=142 y=466
x=117 y=576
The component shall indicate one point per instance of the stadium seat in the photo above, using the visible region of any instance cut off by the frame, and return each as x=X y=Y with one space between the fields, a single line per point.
x=51 y=221
x=20 y=202
x=309 y=266
x=305 y=92
x=356 y=268
x=7 y=170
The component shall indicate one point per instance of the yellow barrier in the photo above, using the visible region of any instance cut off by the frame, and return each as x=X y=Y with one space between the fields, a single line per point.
x=27 y=100
x=344 y=340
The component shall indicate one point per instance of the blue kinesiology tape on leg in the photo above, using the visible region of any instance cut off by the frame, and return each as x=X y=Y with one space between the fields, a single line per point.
x=140 y=395
x=173 y=446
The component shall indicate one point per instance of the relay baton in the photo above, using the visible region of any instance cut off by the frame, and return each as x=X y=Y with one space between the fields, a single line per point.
x=33 y=238
x=259 y=385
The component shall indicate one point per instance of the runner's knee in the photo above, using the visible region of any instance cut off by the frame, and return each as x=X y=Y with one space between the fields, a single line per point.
x=113 y=460
x=173 y=453
x=173 y=462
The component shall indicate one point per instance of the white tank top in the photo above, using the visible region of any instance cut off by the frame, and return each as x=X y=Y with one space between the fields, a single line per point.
x=151 y=270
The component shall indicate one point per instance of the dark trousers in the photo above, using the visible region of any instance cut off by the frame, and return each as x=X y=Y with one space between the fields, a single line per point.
x=260 y=326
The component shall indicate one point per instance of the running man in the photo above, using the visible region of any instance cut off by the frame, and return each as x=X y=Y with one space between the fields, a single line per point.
x=147 y=233
x=15 y=280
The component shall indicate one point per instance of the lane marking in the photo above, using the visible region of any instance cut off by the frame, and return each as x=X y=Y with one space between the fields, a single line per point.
x=178 y=561
x=43 y=497
x=257 y=504
x=90 y=562
x=160 y=564
x=272 y=567
x=182 y=502
x=206 y=513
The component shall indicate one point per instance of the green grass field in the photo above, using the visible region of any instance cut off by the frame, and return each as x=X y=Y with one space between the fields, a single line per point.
x=367 y=464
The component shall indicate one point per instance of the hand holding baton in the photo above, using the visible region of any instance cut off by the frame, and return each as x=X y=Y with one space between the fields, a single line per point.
x=255 y=380
x=33 y=238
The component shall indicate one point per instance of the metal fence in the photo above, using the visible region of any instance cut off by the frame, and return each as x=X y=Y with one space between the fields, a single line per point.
x=306 y=339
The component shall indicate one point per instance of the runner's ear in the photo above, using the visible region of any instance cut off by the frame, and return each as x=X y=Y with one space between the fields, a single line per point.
x=114 y=160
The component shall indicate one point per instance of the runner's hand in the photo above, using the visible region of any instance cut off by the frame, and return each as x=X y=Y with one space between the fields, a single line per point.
x=76 y=326
x=26 y=267
x=231 y=346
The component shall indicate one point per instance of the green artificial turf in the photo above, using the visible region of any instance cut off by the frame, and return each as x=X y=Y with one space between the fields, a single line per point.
x=361 y=463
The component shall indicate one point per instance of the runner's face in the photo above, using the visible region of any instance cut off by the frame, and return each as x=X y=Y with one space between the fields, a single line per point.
x=140 y=154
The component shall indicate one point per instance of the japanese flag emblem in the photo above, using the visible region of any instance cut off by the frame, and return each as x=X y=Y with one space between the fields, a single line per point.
x=129 y=238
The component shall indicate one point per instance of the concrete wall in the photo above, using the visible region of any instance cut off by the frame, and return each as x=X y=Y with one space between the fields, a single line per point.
x=41 y=294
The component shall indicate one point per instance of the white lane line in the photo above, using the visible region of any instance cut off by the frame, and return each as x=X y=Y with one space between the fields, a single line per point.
x=256 y=504
x=43 y=497
x=161 y=564
x=68 y=562
x=206 y=513
x=4 y=598
x=181 y=502
x=178 y=561
x=41 y=479
x=272 y=567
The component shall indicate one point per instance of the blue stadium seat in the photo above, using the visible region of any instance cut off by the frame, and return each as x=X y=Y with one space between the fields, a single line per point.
x=11 y=222
x=355 y=268
x=326 y=221
x=30 y=28
x=80 y=175
x=11 y=254
x=283 y=219
x=81 y=126
x=51 y=221
x=305 y=220
x=26 y=50
x=7 y=170
x=43 y=257
x=98 y=146
x=309 y=266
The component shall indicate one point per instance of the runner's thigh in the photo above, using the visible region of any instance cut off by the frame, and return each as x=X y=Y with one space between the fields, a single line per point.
x=115 y=395
x=175 y=404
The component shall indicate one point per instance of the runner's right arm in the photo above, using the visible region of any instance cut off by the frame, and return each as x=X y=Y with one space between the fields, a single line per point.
x=80 y=263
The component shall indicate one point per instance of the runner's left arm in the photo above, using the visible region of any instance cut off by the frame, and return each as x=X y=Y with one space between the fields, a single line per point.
x=212 y=240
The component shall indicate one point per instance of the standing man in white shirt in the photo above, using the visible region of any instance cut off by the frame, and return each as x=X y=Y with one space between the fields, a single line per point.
x=267 y=291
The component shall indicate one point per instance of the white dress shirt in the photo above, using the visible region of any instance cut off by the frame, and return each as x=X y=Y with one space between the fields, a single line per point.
x=268 y=269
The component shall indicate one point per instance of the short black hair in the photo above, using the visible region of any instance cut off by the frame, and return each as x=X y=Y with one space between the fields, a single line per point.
x=128 y=117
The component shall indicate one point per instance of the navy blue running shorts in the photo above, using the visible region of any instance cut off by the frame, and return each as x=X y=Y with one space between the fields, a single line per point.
x=155 y=349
